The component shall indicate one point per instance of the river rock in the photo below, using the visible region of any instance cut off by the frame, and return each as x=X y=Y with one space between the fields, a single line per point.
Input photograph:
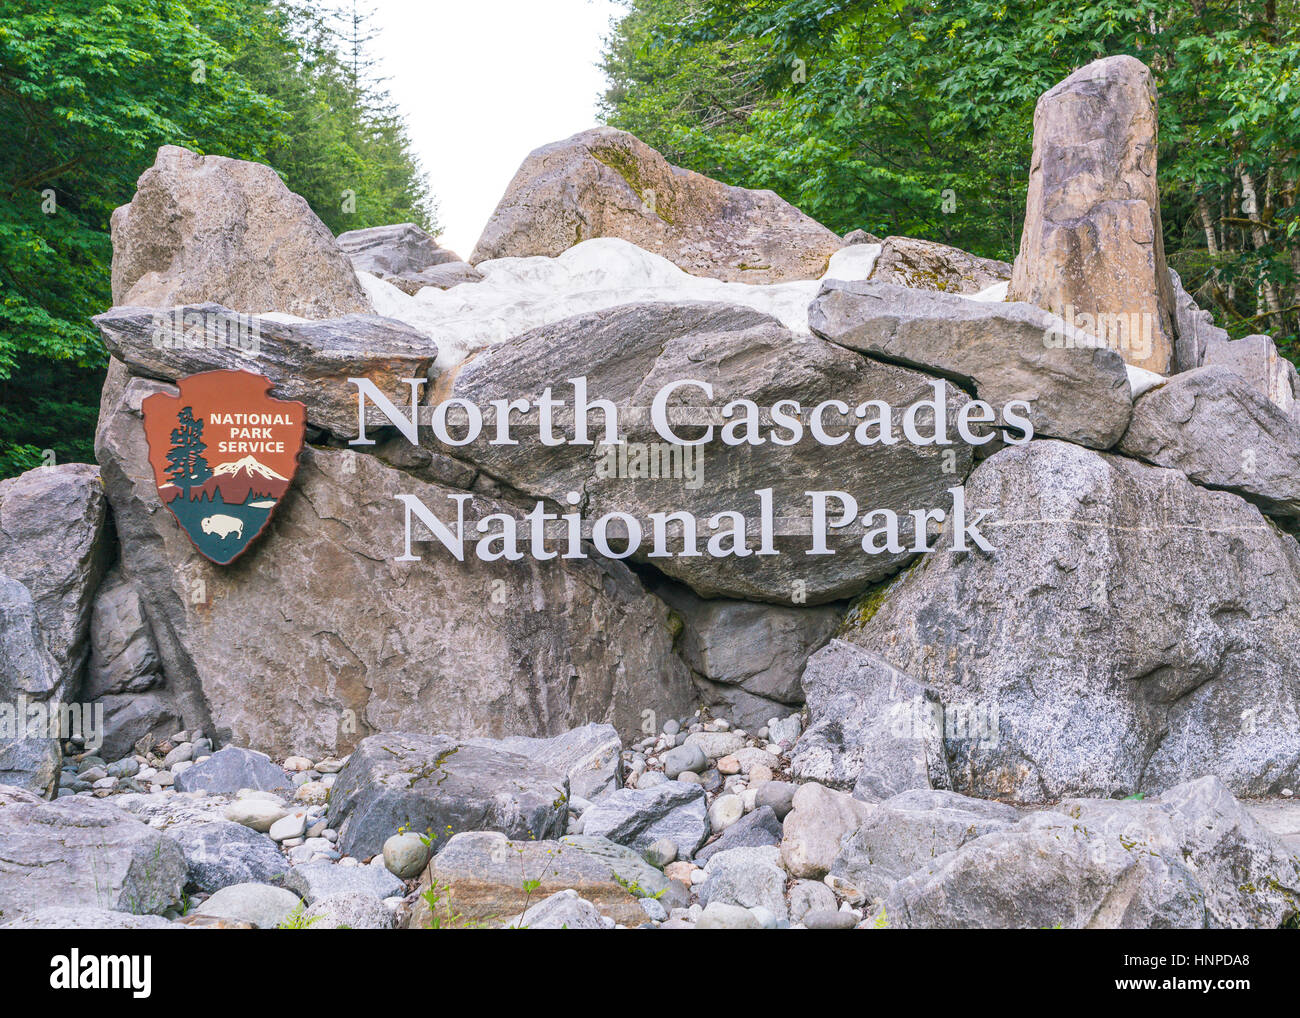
x=307 y=361
x=64 y=917
x=480 y=874
x=84 y=852
x=316 y=881
x=393 y=250
x=54 y=540
x=130 y=718
x=926 y=265
x=748 y=877
x=232 y=768
x=349 y=910
x=638 y=817
x=1049 y=689
x=1092 y=243
x=433 y=784
x=812 y=832
x=608 y=183
x=1075 y=389
x=1211 y=424
x=563 y=910
x=448 y=653
x=629 y=353
x=220 y=853
x=262 y=905
x=208 y=228
x=753 y=830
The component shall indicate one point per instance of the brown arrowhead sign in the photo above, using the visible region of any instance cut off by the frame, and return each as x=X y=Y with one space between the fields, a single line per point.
x=223 y=453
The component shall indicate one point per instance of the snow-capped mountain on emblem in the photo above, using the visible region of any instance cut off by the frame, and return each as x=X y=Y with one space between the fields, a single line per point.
x=224 y=453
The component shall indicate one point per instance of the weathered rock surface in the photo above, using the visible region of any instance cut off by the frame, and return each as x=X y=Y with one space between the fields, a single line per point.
x=627 y=354
x=1193 y=859
x=1128 y=631
x=1211 y=424
x=208 y=228
x=393 y=250
x=54 y=541
x=1195 y=327
x=63 y=917
x=306 y=361
x=563 y=910
x=431 y=645
x=219 y=853
x=812 y=833
x=27 y=669
x=316 y=881
x=753 y=649
x=262 y=905
x=1257 y=360
x=753 y=830
x=608 y=183
x=926 y=265
x=435 y=784
x=1075 y=389
x=83 y=852
x=479 y=876
x=123 y=657
x=638 y=817
x=349 y=910
x=130 y=717
x=233 y=768
x=589 y=756
x=874 y=729
x=747 y=877
x=1092 y=242
x=907 y=832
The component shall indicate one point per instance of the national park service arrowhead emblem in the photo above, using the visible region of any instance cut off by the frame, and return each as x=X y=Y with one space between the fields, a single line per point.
x=223 y=453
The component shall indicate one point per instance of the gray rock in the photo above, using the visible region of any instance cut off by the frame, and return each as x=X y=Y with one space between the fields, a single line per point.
x=123 y=658
x=1048 y=687
x=682 y=759
x=874 y=729
x=317 y=880
x=83 y=852
x=1092 y=240
x=406 y=855
x=219 y=853
x=563 y=910
x=467 y=661
x=907 y=831
x=854 y=237
x=63 y=917
x=436 y=784
x=1195 y=328
x=232 y=768
x=607 y=183
x=926 y=265
x=1192 y=859
x=308 y=361
x=131 y=717
x=719 y=915
x=589 y=756
x=661 y=853
x=1075 y=389
x=1214 y=427
x=816 y=828
x=263 y=905
x=393 y=250
x=716 y=744
x=349 y=910
x=639 y=817
x=753 y=830
x=27 y=670
x=206 y=228
x=748 y=877
x=53 y=540
x=1265 y=369
x=810 y=896
x=478 y=876
x=777 y=796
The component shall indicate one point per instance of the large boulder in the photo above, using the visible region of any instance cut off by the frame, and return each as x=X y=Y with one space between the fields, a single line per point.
x=590 y=756
x=629 y=353
x=608 y=183
x=1128 y=630
x=208 y=228
x=123 y=656
x=29 y=759
x=926 y=265
x=1092 y=250
x=407 y=257
x=231 y=769
x=1075 y=389
x=307 y=361
x=1194 y=859
x=1195 y=328
x=1211 y=424
x=219 y=853
x=483 y=875
x=82 y=851
x=468 y=647
x=1258 y=361
x=54 y=541
x=873 y=729
x=638 y=817
x=437 y=785
x=131 y=717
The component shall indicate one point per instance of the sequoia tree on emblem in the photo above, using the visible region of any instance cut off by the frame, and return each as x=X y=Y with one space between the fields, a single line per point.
x=223 y=453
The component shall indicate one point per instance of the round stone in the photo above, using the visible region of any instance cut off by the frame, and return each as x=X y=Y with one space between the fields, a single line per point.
x=683 y=759
x=725 y=811
x=406 y=855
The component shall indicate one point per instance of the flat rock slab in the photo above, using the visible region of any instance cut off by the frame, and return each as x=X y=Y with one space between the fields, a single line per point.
x=480 y=876
x=1075 y=389
x=83 y=852
x=438 y=786
x=638 y=817
x=589 y=755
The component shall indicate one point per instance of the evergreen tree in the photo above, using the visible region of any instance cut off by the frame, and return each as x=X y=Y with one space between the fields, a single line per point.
x=187 y=467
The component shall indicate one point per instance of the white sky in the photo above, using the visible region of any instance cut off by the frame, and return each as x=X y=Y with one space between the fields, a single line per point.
x=484 y=83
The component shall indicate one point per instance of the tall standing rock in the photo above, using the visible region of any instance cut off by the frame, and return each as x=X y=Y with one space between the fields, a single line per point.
x=28 y=759
x=208 y=228
x=1092 y=250
x=608 y=183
